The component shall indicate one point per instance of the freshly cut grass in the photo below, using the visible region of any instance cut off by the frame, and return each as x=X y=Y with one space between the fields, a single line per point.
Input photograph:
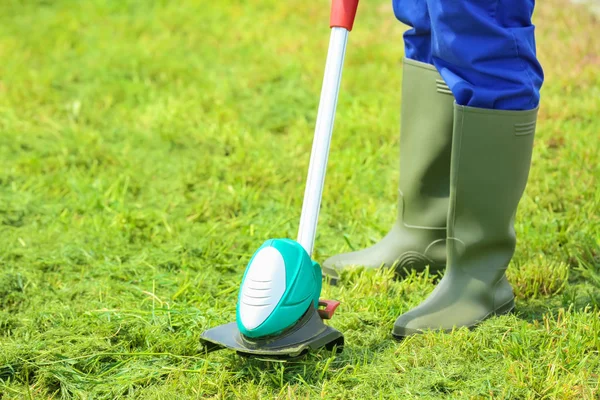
x=147 y=148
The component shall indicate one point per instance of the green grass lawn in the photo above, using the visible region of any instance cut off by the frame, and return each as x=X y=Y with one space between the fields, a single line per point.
x=147 y=148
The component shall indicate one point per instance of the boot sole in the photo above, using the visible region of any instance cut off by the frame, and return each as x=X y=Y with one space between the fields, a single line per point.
x=504 y=309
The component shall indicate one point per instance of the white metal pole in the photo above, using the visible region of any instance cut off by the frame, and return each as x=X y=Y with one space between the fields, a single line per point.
x=322 y=138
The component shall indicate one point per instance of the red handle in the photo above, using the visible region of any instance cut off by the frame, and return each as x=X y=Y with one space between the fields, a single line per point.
x=329 y=308
x=343 y=13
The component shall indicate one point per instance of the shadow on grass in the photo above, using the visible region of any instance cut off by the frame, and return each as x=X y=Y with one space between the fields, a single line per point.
x=312 y=369
x=578 y=297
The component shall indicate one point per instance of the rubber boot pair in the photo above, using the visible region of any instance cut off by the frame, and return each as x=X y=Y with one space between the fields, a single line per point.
x=463 y=171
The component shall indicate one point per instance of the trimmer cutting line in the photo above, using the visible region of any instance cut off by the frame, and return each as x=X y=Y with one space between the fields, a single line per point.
x=279 y=313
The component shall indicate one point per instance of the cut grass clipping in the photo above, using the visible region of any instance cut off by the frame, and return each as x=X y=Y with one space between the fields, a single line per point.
x=147 y=148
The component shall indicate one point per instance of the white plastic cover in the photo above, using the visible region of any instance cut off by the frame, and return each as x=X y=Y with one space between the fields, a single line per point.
x=263 y=287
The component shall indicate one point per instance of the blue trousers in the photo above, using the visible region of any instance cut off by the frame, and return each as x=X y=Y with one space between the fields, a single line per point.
x=484 y=49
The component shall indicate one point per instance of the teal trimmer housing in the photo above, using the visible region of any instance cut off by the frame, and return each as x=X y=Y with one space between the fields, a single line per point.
x=279 y=313
x=280 y=284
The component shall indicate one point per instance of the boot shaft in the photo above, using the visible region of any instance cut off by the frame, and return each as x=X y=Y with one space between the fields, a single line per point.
x=425 y=145
x=491 y=156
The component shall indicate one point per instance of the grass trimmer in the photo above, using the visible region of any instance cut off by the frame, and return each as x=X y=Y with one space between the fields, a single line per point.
x=279 y=313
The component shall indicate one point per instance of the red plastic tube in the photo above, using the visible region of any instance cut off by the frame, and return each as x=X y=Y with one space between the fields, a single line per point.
x=343 y=13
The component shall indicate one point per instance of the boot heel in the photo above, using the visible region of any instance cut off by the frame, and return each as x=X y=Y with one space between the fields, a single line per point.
x=506 y=308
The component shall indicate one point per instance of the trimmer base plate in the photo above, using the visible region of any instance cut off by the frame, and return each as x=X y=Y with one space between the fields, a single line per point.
x=310 y=333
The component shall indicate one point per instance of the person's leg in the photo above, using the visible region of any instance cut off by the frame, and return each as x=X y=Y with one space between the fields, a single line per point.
x=417 y=40
x=485 y=51
x=418 y=238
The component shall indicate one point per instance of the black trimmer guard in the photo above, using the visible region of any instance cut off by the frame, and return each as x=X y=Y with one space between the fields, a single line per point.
x=309 y=334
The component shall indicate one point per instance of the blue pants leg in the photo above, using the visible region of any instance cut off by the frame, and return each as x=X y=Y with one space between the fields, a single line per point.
x=484 y=49
x=417 y=40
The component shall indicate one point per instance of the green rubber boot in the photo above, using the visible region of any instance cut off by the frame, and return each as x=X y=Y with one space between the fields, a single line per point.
x=491 y=155
x=418 y=237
